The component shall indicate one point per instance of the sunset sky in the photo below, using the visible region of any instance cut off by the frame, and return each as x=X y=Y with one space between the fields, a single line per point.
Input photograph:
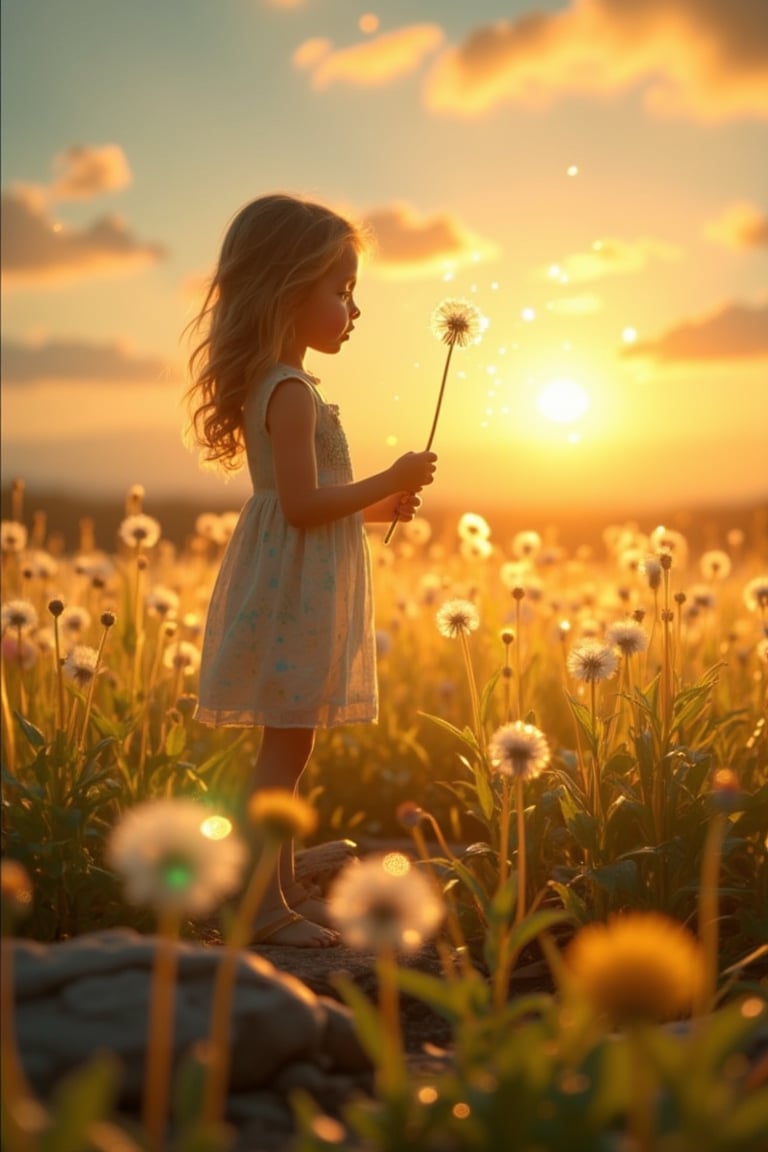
x=592 y=174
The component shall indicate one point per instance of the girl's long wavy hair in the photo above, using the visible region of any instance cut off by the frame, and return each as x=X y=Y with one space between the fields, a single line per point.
x=275 y=250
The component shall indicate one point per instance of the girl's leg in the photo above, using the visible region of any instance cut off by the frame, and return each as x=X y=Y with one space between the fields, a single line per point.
x=282 y=758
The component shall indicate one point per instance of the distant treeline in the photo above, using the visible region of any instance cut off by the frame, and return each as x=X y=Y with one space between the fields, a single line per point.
x=61 y=516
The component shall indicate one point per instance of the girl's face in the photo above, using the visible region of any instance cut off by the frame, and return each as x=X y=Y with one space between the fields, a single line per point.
x=325 y=318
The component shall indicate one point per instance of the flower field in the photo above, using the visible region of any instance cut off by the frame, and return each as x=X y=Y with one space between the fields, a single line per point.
x=574 y=740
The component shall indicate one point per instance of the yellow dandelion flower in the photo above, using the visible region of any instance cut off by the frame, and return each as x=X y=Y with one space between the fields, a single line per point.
x=282 y=815
x=639 y=967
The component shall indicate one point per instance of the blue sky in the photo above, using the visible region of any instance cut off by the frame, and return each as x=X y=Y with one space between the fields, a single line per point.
x=590 y=173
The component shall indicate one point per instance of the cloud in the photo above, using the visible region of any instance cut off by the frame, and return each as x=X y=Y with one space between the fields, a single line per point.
x=84 y=172
x=702 y=58
x=37 y=251
x=371 y=63
x=736 y=331
x=615 y=257
x=65 y=361
x=407 y=243
x=740 y=226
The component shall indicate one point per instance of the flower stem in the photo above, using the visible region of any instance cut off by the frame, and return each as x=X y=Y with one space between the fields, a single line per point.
x=160 y=1050
x=392 y=1078
x=221 y=1011
x=433 y=429
x=708 y=908
x=521 y=861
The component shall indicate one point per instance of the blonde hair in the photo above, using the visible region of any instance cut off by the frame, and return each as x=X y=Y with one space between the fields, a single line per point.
x=275 y=249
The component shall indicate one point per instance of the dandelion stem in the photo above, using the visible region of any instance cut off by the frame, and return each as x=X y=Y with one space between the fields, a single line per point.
x=708 y=908
x=91 y=690
x=392 y=1078
x=221 y=1011
x=9 y=732
x=432 y=430
x=475 y=699
x=161 y=1031
x=59 y=674
x=521 y=854
x=504 y=833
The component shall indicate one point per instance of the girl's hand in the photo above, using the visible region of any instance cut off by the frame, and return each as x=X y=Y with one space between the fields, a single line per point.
x=404 y=505
x=414 y=470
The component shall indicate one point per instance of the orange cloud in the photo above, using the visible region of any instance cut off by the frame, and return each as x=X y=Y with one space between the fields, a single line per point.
x=702 y=58
x=734 y=331
x=740 y=226
x=37 y=251
x=84 y=172
x=67 y=360
x=614 y=257
x=406 y=243
x=372 y=62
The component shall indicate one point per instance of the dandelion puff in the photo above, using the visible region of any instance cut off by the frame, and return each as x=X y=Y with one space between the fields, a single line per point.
x=592 y=661
x=458 y=322
x=526 y=545
x=40 y=565
x=18 y=614
x=140 y=531
x=519 y=750
x=74 y=620
x=457 y=618
x=639 y=967
x=715 y=564
x=80 y=664
x=13 y=536
x=756 y=594
x=628 y=636
x=650 y=567
x=471 y=526
x=161 y=601
x=183 y=656
x=384 y=903
x=417 y=531
x=477 y=549
x=169 y=864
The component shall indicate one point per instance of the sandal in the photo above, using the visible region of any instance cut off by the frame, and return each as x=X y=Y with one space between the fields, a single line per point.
x=319 y=938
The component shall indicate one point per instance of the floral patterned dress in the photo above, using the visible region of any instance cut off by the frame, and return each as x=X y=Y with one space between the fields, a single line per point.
x=289 y=638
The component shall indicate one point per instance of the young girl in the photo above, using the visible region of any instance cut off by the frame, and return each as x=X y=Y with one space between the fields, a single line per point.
x=289 y=639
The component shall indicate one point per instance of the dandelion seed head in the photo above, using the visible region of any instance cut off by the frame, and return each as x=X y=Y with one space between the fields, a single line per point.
x=182 y=656
x=519 y=750
x=628 y=636
x=457 y=618
x=591 y=661
x=715 y=565
x=383 y=904
x=756 y=594
x=458 y=322
x=18 y=614
x=472 y=526
x=162 y=601
x=74 y=621
x=638 y=967
x=13 y=536
x=81 y=664
x=140 y=531
x=526 y=544
x=169 y=863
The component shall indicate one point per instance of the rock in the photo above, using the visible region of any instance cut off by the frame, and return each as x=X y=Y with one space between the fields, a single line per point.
x=91 y=994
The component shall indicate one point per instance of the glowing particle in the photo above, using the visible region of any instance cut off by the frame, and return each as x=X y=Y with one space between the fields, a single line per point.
x=528 y=314
x=368 y=23
x=554 y=271
x=216 y=827
x=391 y=441
x=629 y=335
x=573 y=170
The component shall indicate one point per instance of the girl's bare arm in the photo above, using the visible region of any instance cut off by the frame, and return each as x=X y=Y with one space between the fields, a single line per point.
x=291 y=423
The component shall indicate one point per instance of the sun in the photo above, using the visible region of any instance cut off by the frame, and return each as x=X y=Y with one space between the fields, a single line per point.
x=563 y=401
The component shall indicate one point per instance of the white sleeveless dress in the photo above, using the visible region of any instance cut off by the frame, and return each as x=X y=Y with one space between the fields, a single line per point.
x=289 y=637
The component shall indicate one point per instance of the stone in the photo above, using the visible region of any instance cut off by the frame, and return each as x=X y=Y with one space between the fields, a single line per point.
x=91 y=994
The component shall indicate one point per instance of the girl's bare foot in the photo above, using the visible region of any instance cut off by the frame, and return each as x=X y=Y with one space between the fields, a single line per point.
x=312 y=907
x=288 y=929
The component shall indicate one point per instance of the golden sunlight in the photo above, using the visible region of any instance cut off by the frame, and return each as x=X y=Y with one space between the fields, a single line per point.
x=563 y=401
